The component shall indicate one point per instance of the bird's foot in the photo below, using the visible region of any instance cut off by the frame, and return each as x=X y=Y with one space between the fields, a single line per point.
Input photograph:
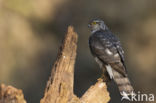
x=104 y=78
x=100 y=79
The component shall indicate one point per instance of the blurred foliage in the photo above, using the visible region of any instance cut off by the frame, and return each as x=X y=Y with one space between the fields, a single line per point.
x=31 y=32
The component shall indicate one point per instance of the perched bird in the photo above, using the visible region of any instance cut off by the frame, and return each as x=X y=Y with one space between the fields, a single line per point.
x=108 y=53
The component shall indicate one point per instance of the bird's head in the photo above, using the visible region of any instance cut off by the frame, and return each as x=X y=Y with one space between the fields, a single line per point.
x=97 y=24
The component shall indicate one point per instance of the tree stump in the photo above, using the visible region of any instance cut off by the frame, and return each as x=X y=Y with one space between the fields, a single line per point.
x=59 y=87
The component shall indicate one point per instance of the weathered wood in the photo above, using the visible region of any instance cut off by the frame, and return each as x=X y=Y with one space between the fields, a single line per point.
x=9 y=94
x=96 y=94
x=59 y=87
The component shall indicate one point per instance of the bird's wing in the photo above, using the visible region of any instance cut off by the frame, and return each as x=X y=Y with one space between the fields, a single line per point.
x=107 y=48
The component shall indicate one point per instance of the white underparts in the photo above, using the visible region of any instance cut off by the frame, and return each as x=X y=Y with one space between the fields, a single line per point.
x=108 y=52
x=99 y=62
x=116 y=55
x=110 y=72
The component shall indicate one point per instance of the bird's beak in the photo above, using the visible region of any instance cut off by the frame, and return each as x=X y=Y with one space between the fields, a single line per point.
x=89 y=25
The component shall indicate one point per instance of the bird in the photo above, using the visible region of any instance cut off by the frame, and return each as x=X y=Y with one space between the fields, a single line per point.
x=108 y=53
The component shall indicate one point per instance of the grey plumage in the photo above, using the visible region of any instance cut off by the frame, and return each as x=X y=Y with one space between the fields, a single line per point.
x=107 y=50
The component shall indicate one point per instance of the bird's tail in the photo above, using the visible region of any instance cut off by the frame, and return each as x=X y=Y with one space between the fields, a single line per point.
x=123 y=83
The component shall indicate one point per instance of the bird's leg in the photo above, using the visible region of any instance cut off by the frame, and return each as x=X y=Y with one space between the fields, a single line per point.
x=105 y=76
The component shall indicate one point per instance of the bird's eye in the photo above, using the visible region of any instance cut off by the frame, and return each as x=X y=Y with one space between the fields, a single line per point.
x=93 y=23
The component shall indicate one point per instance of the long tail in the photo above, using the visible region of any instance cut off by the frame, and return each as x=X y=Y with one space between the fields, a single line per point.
x=123 y=83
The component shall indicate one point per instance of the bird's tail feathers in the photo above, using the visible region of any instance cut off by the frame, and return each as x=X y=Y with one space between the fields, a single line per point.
x=123 y=83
